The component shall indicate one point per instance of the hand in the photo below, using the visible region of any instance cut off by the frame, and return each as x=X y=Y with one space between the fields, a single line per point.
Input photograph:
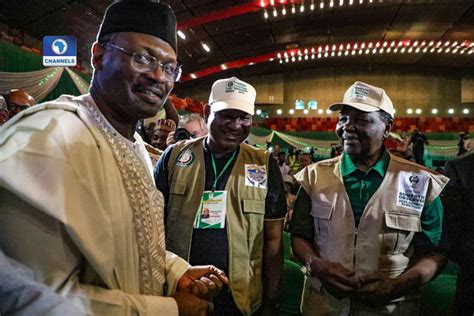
x=170 y=139
x=203 y=281
x=338 y=280
x=190 y=305
x=376 y=289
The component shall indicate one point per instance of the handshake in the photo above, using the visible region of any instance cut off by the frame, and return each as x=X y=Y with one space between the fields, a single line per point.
x=196 y=289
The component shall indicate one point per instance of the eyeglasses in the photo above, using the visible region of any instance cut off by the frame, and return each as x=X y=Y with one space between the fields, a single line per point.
x=146 y=63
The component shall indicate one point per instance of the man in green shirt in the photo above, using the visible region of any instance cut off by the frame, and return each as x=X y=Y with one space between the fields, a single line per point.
x=366 y=224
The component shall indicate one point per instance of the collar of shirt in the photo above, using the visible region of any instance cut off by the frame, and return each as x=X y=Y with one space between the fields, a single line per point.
x=349 y=168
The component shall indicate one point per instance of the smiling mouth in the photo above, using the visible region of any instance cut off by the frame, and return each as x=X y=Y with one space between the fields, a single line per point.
x=150 y=95
x=350 y=140
x=230 y=135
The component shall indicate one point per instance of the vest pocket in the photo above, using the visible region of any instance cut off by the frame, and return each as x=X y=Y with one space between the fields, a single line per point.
x=321 y=213
x=177 y=191
x=254 y=211
x=398 y=231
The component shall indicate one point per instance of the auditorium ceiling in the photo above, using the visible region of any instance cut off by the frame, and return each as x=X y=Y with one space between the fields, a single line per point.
x=249 y=38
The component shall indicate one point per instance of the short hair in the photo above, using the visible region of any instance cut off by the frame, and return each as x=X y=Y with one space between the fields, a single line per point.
x=385 y=117
x=187 y=118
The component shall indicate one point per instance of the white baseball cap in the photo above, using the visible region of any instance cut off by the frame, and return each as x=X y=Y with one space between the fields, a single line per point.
x=365 y=97
x=232 y=93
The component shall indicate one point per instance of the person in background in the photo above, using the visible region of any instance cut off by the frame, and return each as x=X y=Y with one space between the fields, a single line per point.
x=79 y=205
x=463 y=144
x=159 y=132
x=284 y=168
x=193 y=123
x=459 y=218
x=419 y=140
x=336 y=150
x=367 y=251
x=290 y=198
x=295 y=165
x=12 y=102
x=244 y=187
x=276 y=151
x=305 y=160
x=293 y=160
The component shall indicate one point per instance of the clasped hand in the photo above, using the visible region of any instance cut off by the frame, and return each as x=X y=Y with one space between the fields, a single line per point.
x=340 y=282
x=197 y=287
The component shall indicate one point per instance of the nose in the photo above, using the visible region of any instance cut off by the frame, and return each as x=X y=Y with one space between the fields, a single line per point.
x=348 y=125
x=236 y=123
x=157 y=75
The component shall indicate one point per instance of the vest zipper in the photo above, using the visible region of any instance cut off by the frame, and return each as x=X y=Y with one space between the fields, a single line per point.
x=355 y=249
x=352 y=301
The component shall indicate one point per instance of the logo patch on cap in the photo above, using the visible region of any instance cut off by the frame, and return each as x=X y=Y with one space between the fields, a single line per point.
x=234 y=85
x=359 y=92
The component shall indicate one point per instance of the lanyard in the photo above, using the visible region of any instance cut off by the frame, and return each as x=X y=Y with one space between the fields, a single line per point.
x=223 y=169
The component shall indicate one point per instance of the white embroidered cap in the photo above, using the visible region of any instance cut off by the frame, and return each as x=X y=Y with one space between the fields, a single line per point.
x=232 y=93
x=365 y=97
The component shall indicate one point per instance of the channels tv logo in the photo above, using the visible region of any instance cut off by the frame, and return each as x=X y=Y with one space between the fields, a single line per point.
x=59 y=51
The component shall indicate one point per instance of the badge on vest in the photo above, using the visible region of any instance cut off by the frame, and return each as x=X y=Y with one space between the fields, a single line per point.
x=211 y=213
x=185 y=159
x=412 y=188
x=256 y=176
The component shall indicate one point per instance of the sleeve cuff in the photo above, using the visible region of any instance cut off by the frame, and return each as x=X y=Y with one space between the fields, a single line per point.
x=158 y=305
x=175 y=268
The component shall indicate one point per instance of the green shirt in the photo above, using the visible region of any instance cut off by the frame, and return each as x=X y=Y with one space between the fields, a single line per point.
x=360 y=187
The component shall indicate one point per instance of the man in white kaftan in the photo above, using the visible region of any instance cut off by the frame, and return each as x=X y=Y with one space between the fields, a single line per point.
x=78 y=204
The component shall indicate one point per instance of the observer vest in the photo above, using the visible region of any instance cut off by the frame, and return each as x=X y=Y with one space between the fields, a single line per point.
x=381 y=242
x=244 y=216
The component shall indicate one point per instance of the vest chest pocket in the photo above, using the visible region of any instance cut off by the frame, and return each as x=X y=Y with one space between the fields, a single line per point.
x=322 y=213
x=177 y=191
x=254 y=212
x=398 y=231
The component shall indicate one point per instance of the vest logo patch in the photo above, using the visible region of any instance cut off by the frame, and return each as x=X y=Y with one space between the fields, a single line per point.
x=412 y=189
x=185 y=159
x=414 y=180
x=256 y=176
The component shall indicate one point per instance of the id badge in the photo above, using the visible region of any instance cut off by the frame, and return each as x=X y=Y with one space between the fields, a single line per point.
x=211 y=213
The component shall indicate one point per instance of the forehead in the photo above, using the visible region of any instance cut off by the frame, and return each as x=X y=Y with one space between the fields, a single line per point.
x=152 y=44
x=349 y=110
x=231 y=113
x=193 y=125
x=158 y=130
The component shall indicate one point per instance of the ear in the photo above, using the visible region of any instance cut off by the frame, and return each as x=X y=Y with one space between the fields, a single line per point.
x=207 y=112
x=388 y=128
x=97 y=55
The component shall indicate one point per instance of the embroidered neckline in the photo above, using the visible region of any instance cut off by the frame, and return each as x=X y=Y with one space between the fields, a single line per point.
x=145 y=200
